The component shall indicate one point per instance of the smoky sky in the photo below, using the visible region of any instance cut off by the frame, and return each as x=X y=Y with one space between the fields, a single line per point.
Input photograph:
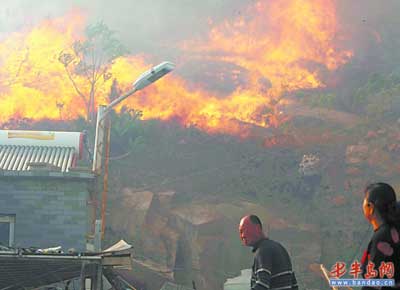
x=158 y=27
x=143 y=26
x=159 y=24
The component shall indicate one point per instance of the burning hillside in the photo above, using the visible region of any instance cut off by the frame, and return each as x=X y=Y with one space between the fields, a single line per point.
x=281 y=46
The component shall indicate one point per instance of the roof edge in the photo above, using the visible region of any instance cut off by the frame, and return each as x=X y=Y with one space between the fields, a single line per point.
x=46 y=174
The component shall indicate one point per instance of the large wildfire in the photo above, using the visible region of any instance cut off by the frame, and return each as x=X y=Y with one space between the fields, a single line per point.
x=281 y=46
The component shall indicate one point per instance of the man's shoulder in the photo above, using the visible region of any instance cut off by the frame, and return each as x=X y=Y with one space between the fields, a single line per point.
x=270 y=251
x=268 y=244
x=271 y=243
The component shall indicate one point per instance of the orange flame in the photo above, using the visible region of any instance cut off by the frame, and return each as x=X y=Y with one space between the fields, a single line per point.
x=33 y=81
x=278 y=41
x=285 y=43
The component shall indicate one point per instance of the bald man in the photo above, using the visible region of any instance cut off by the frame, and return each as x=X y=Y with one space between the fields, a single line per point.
x=272 y=268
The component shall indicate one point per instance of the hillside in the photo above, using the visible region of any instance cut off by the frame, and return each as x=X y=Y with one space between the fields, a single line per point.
x=178 y=194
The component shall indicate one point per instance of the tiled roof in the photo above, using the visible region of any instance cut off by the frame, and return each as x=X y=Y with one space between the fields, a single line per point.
x=22 y=158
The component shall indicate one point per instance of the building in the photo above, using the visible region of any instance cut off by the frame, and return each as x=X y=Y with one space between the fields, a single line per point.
x=46 y=200
x=24 y=270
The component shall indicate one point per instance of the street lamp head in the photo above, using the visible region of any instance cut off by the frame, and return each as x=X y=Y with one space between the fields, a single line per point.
x=143 y=81
x=153 y=75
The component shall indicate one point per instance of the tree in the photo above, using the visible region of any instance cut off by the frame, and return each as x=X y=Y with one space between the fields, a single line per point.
x=379 y=96
x=92 y=59
x=125 y=130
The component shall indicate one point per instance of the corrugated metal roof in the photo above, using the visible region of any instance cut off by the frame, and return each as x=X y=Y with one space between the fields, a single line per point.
x=22 y=158
x=19 y=273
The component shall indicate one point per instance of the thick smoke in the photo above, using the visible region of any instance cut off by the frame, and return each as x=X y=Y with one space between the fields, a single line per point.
x=372 y=28
x=144 y=26
x=157 y=27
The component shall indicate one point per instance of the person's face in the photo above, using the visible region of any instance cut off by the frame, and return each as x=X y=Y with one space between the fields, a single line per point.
x=249 y=232
x=368 y=209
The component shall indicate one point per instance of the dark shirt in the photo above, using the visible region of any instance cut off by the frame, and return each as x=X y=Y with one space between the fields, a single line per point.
x=383 y=247
x=272 y=268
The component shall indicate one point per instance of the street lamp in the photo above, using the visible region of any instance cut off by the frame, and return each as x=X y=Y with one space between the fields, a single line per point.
x=143 y=81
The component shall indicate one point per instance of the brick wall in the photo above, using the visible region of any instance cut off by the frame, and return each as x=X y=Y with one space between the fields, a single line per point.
x=49 y=211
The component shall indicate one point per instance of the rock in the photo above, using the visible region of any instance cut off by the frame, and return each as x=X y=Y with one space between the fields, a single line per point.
x=353 y=171
x=282 y=141
x=356 y=154
x=357 y=149
x=372 y=135
x=310 y=165
x=130 y=216
x=175 y=238
x=198 y=215
x=166 y=197
x=381 y=131
x=378 y=158
x=137 y=200
x=394 y=147
x=338 y=200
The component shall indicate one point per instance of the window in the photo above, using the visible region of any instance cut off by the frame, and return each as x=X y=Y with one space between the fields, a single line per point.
x=7 y=226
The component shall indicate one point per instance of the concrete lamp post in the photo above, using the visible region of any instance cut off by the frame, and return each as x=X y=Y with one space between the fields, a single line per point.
x=103 y=125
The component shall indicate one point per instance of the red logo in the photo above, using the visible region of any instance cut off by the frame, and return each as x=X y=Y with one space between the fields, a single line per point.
x=338 y=270
x=386 y=269
x=355 y=269
x=370 y=272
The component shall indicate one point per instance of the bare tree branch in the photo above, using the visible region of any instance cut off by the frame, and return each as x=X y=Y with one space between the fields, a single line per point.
x=98 y=65
x=75 y=86
x=24 y=60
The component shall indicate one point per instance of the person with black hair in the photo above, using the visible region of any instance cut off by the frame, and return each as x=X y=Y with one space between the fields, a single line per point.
x=382 y=212
x=272 y=268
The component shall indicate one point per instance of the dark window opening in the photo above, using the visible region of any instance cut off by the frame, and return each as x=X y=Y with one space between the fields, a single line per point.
x=7 y=230
x=4 y=233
